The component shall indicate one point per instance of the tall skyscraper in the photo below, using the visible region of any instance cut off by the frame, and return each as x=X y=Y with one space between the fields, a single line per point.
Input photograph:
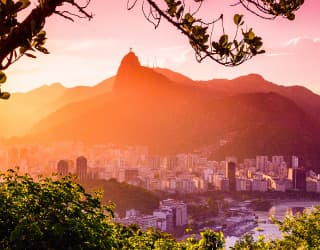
x=231 y=159
x=261 y=162
x=81 y=168
x=277 y=160
x=172 y=162
x=153 y=162
x=295 y=162
x=231 y=175
x=179 y=210
x=63 y=167
x=299 y=179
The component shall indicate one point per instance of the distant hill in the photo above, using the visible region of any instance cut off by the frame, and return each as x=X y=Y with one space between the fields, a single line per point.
x=24 y=110
x=174 y=76
x=170 y=113
x=303 y=97
x=253 y=83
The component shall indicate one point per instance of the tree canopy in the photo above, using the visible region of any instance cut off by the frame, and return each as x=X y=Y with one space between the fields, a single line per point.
x=57 y=213
x=51 y=214
x=23 y=38
x=301 y=231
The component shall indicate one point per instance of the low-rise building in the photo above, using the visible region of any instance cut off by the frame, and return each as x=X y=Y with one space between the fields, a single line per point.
x=259 y=185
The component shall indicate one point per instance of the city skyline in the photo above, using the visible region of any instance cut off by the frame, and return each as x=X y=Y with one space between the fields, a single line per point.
x=185 y=172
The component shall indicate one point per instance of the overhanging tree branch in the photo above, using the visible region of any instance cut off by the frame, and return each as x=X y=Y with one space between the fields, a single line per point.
x=200 y=33
x=270 y=9
x=28 y=34
x=225 y=51
x=20 y=38
x=23 y=38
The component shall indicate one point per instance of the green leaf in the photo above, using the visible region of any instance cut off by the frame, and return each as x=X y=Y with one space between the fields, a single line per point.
x=291 y=16
x=215 y=45
x=251 y=35
x=223 y=40
x=237 y=19
x=4 y=95
x=236 y=44
x=42 y=34
x=30 y=55
x=3 y=77
x=22 y=4
x=179 y=12
x=42 y=49
x=189 y=18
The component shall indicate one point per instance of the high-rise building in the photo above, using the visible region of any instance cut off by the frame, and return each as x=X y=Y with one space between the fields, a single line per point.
x=165 y=219
x=71 y=167
x=81 y=168
x=283 y=170
x=172 y=162
x=232 y=159
x=179 y=209
x=299 y=179
x=63 y=167
x=277 y=160
x=290 y=174
x=261 y=162
x=191 y=161
x=154 y=162
x=295 y=161
x=231 y=175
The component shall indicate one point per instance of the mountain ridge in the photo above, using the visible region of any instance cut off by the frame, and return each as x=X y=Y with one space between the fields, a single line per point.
x=171 y=113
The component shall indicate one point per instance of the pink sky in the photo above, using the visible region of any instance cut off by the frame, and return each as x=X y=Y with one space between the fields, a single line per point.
x=84 y=53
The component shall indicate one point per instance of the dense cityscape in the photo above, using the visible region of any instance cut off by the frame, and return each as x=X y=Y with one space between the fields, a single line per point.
x=166 y=150
x=179 y=173
x=183 y=173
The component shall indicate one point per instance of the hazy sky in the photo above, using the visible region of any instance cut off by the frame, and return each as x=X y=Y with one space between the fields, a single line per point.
x=84 y=53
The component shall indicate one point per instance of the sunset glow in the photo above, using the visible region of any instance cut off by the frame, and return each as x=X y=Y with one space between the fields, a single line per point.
x=127 y=135
x=84 y=53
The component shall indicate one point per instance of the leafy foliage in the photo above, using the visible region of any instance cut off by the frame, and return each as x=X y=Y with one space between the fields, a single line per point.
x=270 y=9
x=131 y=237
x=51 y=214
x=247 y=243
x=225 y=50
x=301 y=231
x=59 y=214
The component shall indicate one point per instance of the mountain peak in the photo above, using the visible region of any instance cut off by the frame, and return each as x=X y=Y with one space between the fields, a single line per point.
x=129 y=63
x=252 y=77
